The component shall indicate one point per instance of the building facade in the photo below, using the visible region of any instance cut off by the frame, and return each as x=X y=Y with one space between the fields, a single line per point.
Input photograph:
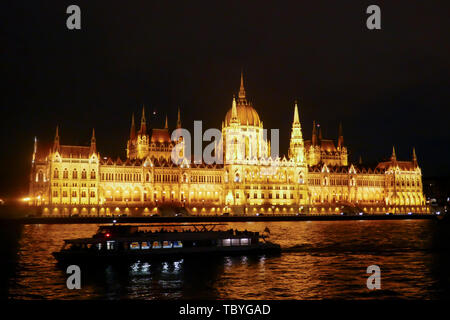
x=315 y=178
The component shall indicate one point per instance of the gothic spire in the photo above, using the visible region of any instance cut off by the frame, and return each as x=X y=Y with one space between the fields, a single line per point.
x=393 y=156
x=296 y=117
x=178 y=119
x=34 y=149
x=414 y=157
x=56 y=141
x=143 y=129
x=341 y=136
x=234 y=117
x=93 y=142
x=166 y=124
x=133 y=128
x=314 y=134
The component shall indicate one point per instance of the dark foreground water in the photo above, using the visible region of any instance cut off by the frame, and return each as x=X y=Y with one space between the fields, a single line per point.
x=320 y=260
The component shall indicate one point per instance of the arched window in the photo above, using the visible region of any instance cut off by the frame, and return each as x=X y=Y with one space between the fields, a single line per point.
x=74 y=174
x=65 y=174
x=92 y=174
x=83 y=174
x=56 y=174
x=40 y=176
x=147 y=177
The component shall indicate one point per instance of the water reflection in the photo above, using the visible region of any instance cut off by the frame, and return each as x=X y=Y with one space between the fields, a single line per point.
x=319 y=260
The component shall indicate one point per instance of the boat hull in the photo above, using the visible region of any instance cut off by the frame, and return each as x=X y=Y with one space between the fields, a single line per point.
x=158 y=254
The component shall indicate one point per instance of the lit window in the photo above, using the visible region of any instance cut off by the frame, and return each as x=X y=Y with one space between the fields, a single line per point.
x=156 y=245
x=245 y=241
x=134 y=245
x=110 y=245
x=234 y=242
x=167 y=244
x=226 y=242
x=145 y=245
x=177 y=244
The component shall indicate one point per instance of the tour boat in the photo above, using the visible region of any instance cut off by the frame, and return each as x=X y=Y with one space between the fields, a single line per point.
x=140 y=242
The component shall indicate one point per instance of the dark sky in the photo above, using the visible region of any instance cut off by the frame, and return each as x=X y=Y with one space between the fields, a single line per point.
x=388 y=87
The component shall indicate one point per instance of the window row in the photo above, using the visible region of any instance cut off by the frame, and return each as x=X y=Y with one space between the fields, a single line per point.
x=65 y=174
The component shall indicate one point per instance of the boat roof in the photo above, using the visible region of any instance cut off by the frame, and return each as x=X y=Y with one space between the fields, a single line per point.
x=169 y=236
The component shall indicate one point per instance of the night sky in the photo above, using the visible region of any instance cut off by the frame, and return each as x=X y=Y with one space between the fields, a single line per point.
x=388 y=87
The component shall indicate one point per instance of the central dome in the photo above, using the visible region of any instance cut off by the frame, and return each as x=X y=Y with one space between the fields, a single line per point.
x=244 y=110
x=246 y=115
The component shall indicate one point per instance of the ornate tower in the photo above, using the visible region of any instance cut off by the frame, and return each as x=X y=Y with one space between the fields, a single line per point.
x=296 y=147
x=341 y=149
x=138 y=144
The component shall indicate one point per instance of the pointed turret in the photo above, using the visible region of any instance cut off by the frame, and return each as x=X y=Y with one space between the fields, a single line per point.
x=93 y=142
x=56 y=141
x=34 y=150
x=414 y=157
x=133 y=128
x=234 y=117
x=314 y=134
x=341 y=137
x=296 y=117
x=241 y=89
x=320 y=132
x=178 y=119
x=166 y=125
x=143 y=129
x=360 y=159
x=393 y=156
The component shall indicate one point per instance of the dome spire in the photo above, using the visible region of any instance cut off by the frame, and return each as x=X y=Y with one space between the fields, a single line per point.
x=241 y=89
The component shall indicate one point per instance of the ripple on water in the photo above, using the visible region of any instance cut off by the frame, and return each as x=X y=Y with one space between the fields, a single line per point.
x=320 y=259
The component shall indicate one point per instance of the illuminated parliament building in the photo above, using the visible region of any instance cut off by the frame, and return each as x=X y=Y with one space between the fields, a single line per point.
x=315 y=178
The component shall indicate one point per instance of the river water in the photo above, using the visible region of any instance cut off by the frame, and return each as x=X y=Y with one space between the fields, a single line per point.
x=320 y=260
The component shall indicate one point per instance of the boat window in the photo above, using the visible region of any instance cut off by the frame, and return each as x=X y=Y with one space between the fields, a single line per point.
x=177 y=244
x=145 y=245
x=234 y=242
x=134 y=245
x=99 y=246
x=245 y=241
x=156 y=245
x=167 y=244
x=226 y=242
x=110 y=245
